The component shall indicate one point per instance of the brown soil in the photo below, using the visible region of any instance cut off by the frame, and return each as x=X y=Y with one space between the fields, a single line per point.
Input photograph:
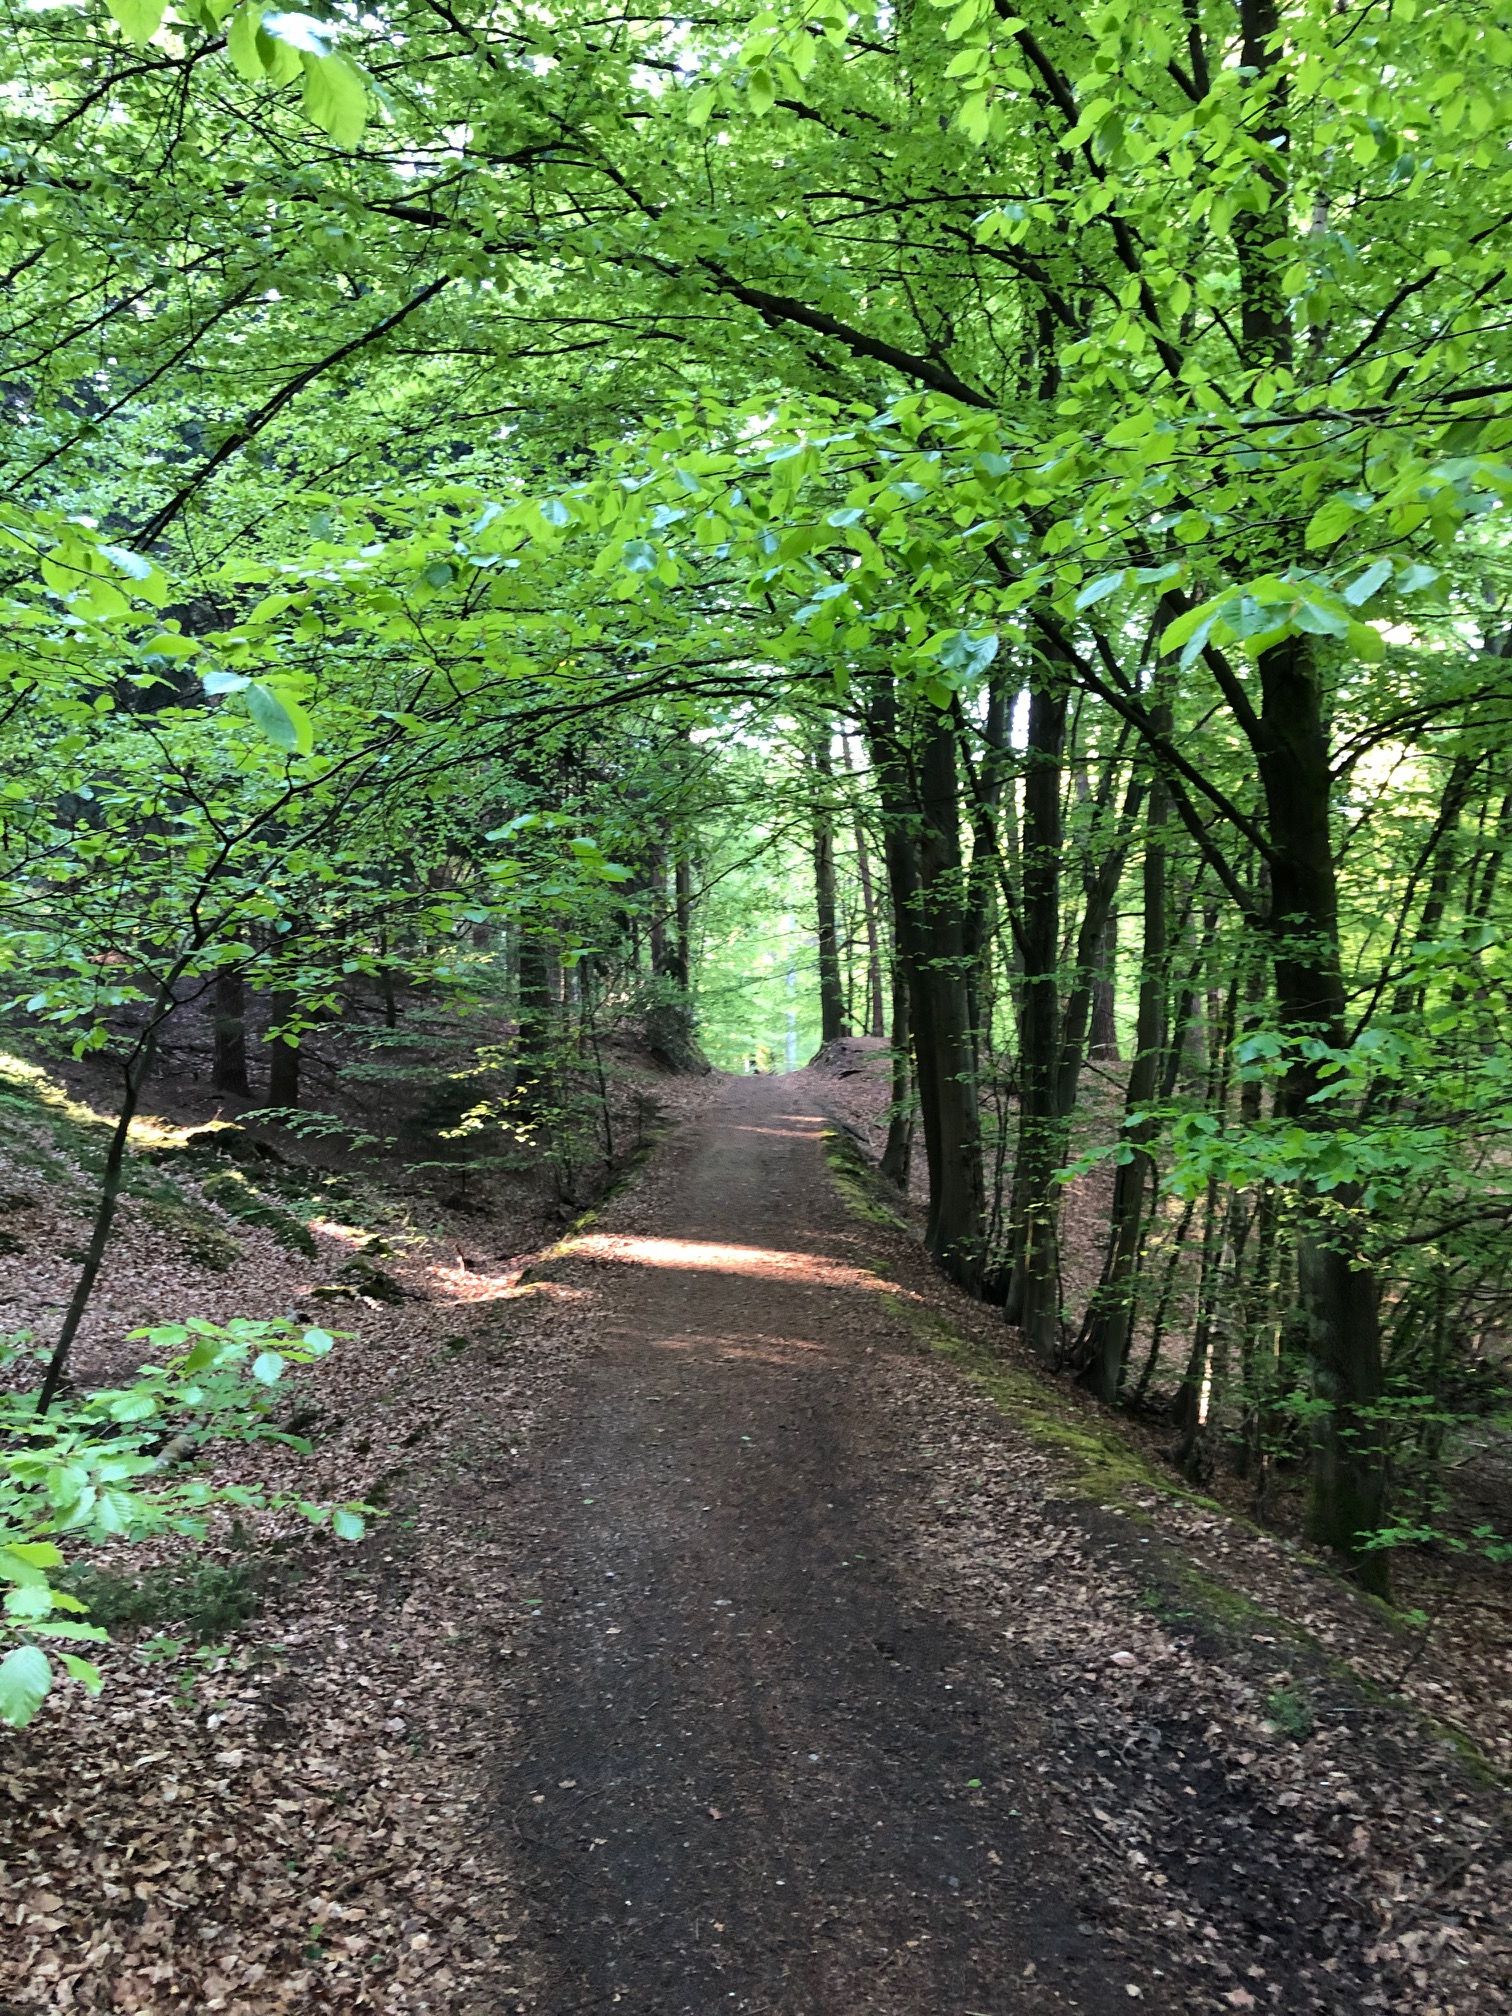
x=778 y=1748
x=724 y=1648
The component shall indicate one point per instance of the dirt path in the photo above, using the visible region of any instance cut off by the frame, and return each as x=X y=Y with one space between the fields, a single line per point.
x=826 y=1696
x=763 y=1769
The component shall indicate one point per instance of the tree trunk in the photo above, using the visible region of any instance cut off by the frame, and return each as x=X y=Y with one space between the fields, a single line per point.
x=682 y=942
x=876 y=1011
x=832 y=1023
x=1338 y=1314
x=138 y=1065
x=1109 y=1326
x=1034 y=1284
x=283 y=1054
x=1103 y=1044
x=922 y=830
x=656 y=922
x=897 y=1150
x=228 y=1070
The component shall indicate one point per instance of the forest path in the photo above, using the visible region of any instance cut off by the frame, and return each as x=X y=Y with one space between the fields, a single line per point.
x=761 y=1765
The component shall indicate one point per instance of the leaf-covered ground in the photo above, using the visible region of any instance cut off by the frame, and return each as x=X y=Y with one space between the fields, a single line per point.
x=736 y=1637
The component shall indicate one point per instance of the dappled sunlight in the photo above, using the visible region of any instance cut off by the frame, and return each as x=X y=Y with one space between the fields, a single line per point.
x=343 y=1235
x=751 y=1347
x=776 y=1133
x=449 y=1282
x=716 y=1257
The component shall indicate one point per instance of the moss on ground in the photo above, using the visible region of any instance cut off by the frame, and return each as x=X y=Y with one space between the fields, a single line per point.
x=1101 y=1465
x=1104 y=1472
x=197 y=1233
x=858 y=1183
x=240 y=1198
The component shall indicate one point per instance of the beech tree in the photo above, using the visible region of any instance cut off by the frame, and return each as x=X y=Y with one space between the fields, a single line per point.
x=1098 y=421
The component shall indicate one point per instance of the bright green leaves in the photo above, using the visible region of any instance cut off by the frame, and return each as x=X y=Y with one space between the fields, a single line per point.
x=25 y=1681
x=138 y=19
x=1266 y=612
x=1335 y=518
x=280 y=717
x=276 y=48
x=335 y=96
x=272 y=707
x=89 y=1470
x=99 y=582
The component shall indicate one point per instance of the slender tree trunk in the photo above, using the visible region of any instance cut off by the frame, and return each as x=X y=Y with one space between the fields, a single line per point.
x=386 y=987
x=832 y=1023
x=656 y=922
x=1338 y=1315
x=534 y=1019
x=283 y=1054
x=897 y=1150
x=1103 y=1043
x=986 y=861
x=1034 y=1284
x=228 y=1070
x=682 y=903
x=876 y=1011
x=1108 y=1329
x=137 y=1067
x=1407 y=999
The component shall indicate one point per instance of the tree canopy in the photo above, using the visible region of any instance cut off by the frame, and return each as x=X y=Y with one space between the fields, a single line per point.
x=547 y=487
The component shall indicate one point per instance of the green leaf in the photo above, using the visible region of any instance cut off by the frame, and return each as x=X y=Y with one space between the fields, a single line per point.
x=26 y=1558
x=761 y=90
x=1330 y=522
x=116 y=1512
x=1100 y=589
x=84 y=1671
x=346 y=1524
x=281 y=719
x=29 y=1599
x=1376 y=575
x=148 y=576
x=1201 y=616
x=267 y=1367
x=1318 y=620
x=133 y=1407
x=140 y=19
x=335 y=96
x=241 y=41
x=25 y=1677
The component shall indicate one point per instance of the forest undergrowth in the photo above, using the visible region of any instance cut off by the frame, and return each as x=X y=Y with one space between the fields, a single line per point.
x=1443 y=1647
x=267 y=1809
x=281 y=1801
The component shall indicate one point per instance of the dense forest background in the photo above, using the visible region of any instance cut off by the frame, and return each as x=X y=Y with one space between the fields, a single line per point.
x=977 y=534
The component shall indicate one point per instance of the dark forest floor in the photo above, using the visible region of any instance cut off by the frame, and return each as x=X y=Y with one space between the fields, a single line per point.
x=735 y=1642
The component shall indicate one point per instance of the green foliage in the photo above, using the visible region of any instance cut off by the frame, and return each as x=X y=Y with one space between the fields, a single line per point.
x=1291 y=1712
x=944 y=350
x=208 y=1598
x=116 y=1465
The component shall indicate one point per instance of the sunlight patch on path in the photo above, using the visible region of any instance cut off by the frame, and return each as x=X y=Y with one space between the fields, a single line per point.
x=715 y=1257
